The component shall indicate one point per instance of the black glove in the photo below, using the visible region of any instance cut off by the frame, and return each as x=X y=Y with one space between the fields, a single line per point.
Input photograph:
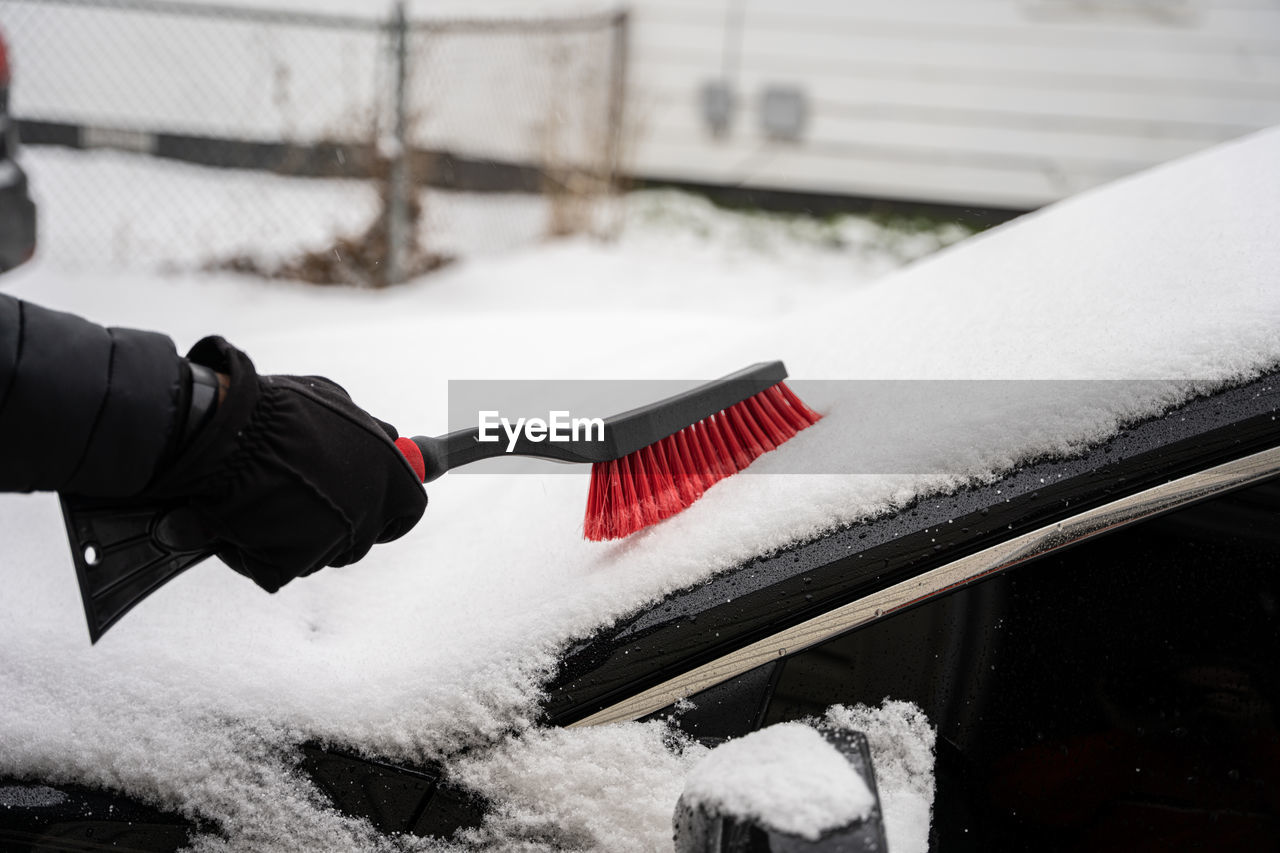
x=290 y=475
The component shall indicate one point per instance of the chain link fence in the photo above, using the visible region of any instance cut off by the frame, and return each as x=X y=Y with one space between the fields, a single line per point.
x=326 y=147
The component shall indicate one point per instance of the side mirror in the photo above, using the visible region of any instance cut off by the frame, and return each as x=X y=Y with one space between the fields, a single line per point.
x=788 y=788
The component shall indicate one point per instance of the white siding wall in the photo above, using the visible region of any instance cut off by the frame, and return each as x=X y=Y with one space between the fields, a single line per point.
x=997 y=102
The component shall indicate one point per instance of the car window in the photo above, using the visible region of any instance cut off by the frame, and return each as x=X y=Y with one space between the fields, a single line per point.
x=1124 y=689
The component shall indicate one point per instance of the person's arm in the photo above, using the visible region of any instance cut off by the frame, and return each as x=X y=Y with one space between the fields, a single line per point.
x=287 y=473
x=83 y=408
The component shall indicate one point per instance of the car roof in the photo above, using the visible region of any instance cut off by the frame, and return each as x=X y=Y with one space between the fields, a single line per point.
x=779 y=603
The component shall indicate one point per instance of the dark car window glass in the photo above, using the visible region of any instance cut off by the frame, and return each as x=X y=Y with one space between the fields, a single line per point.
x=1121 y=694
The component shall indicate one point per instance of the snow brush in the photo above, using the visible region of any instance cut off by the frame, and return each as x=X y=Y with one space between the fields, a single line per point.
x=648 y=464
x=651 y=462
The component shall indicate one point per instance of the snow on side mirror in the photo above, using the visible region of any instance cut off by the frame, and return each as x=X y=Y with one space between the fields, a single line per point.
x=788 y=787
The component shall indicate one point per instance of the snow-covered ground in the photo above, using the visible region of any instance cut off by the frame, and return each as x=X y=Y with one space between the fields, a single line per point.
x=439 y=640
x=113 y=210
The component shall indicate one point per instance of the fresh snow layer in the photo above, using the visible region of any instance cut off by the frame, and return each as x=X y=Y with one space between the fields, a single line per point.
x=787 y=776
x=107 y=209
x=110 y=210
x=604 y=788
x=438 y=642
x=902 y=750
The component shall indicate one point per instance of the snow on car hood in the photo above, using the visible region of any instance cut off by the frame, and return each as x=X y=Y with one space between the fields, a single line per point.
x=440 y=639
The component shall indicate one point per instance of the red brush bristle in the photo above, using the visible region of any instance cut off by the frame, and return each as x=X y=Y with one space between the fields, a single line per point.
x=774 y=432
x=806 y=414
x=687 y=490
x=718 y=459
x=690 y=444
x=746 y=432
x=730 y=442
x=666 y=495
x=646 y=507
x=790 y=416
x=658 y=481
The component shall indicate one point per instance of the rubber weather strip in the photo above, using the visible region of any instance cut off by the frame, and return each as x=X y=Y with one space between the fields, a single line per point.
x=1158 y=500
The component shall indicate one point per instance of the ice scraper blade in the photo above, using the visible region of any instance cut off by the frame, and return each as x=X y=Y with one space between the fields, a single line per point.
x=123 y=553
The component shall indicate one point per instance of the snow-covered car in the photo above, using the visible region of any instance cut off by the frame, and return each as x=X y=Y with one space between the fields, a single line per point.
x=1093 y=638
x=17 y=211
x=1041 y=521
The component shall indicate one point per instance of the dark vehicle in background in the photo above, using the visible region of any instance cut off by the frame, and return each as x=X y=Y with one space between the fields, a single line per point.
x=17 y=211
x=1094 y=638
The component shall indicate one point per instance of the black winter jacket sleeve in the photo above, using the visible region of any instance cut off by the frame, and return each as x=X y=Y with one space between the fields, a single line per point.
x=83 y=409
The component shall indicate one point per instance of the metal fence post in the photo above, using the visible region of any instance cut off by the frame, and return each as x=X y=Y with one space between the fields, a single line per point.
x=398 y=175
x=616 y=138
x=617 y=97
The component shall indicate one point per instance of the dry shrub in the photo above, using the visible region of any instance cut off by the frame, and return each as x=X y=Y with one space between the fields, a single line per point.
x=358 y=260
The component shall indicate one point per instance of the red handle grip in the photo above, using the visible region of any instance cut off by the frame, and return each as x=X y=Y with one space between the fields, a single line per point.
x=413 y=455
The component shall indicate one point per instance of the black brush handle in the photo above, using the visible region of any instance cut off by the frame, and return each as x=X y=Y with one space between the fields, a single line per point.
x=623 y=433
x=640 y=427
x=462 y=447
